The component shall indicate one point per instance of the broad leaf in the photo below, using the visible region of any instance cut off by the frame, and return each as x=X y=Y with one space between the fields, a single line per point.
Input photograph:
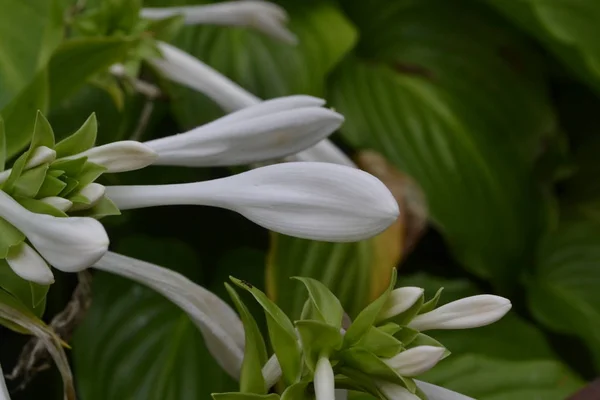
x=325 y=303
x=318 y=340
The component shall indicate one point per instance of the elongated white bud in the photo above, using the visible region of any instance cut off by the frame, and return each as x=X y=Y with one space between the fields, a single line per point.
x=434 y=392
x=69 y=244
x=392 y=391
x=271 y=371
x=324 y=380
x=470 y=312
x=222 y=329
x=3 y=389
x=93 y=192
x=317 y=201
x=40 y=155
x=400 y=300
x=263 y=16
x=29 y=265
x=264 y=132
x=415 y=361
x=126 y=155
x=59 y=203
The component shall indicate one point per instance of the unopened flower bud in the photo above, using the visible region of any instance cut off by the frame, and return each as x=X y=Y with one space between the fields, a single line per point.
x=29 y=265
x=415 y=361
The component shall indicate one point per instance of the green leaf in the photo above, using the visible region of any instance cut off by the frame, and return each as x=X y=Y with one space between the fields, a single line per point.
x=51 y=186
x=103 y=208
x=31 y=296
x=244 y=396
x=255 y=351
x=281 y=333
x=90 y=173
x=80 y=141
x=39 y=207
x=367 y=317
x=563 y=292
x=30 y=182
x=325 y=35
x=325 y=303
x=29 y=32
x=2 y=145
x=79 y=59
x=43 y=135
x=297 y=391
x=9 y=236
x=431 y=304
x=486 y=379
x=72 y=184
x=318 y=340
x=472 y=157
x=165 y=29
x=566 y=28
x=131 y=328
x=19 y=114
x=71 y=167
x=381 y=343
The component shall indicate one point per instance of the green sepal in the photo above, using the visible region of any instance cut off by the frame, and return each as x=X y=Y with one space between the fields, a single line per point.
x=103 y=208
x=80 y=141
x=2 y=145
x=39 y=207
x=431 y=304
x=318 y=340
x=30 y=182
x=367 y=317
x=425 y=340
x=72 y=167
x=381 y=343
x=51 y=186
x=281 y=332
x=406 y=335
x=325 y=303
x=72 y=184
x=15 y=173
x=32 y=297
x=297 y=391
x=255 y=351
x=89 y=173
x=165 y=29
x=43 y=135
x=9 y=237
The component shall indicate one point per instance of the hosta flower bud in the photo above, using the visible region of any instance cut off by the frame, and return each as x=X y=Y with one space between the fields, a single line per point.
x=393 y=391
x=69 y=244
x=3 y=389
x=324 y=380
x=93 y=192
x=263 y=16
x=317 y=201
x=400 y=300
x=470 y=312
x=126 y=155
x=415 y=361
x=263 y=132
x=29 y=265
x=59 y=203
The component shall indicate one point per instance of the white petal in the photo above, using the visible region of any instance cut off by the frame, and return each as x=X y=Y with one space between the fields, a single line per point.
x=59 y=203
x=40 y=155
x=29 y=265
x=69 y=244
x=252 y=139
x=324 y=380
x=187 y=70
x=271 y=371
x=400 y=300
x=3 y=389
x=415 y=361
x=126 y=155
x=392 y=391
x=263 y=16
x=317 y=201
x=222 y=329
x=470 y=312
x=93 y=192
x=434 y=392
x=324 y=151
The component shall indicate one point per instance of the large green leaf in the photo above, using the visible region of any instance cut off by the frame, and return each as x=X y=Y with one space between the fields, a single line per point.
x=563 y=292
x=487 y=379
x=264 y=66
x=567 y=28
x=29 y=32
x=428 y=104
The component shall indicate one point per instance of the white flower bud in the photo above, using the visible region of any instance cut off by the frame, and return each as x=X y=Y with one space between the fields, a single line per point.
x=29 y=265
x=59 y=203
x=393 y=391
x=434 y=392
x=415 y=361
x=126 y=155
x=317 y=201
x=400 y=300
x=271 y=371
x=3 y=389
x=69 y=244
x=93 y=192
x=263 y=16
x=263 y=132
x=324 y=380
x=470 y=312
